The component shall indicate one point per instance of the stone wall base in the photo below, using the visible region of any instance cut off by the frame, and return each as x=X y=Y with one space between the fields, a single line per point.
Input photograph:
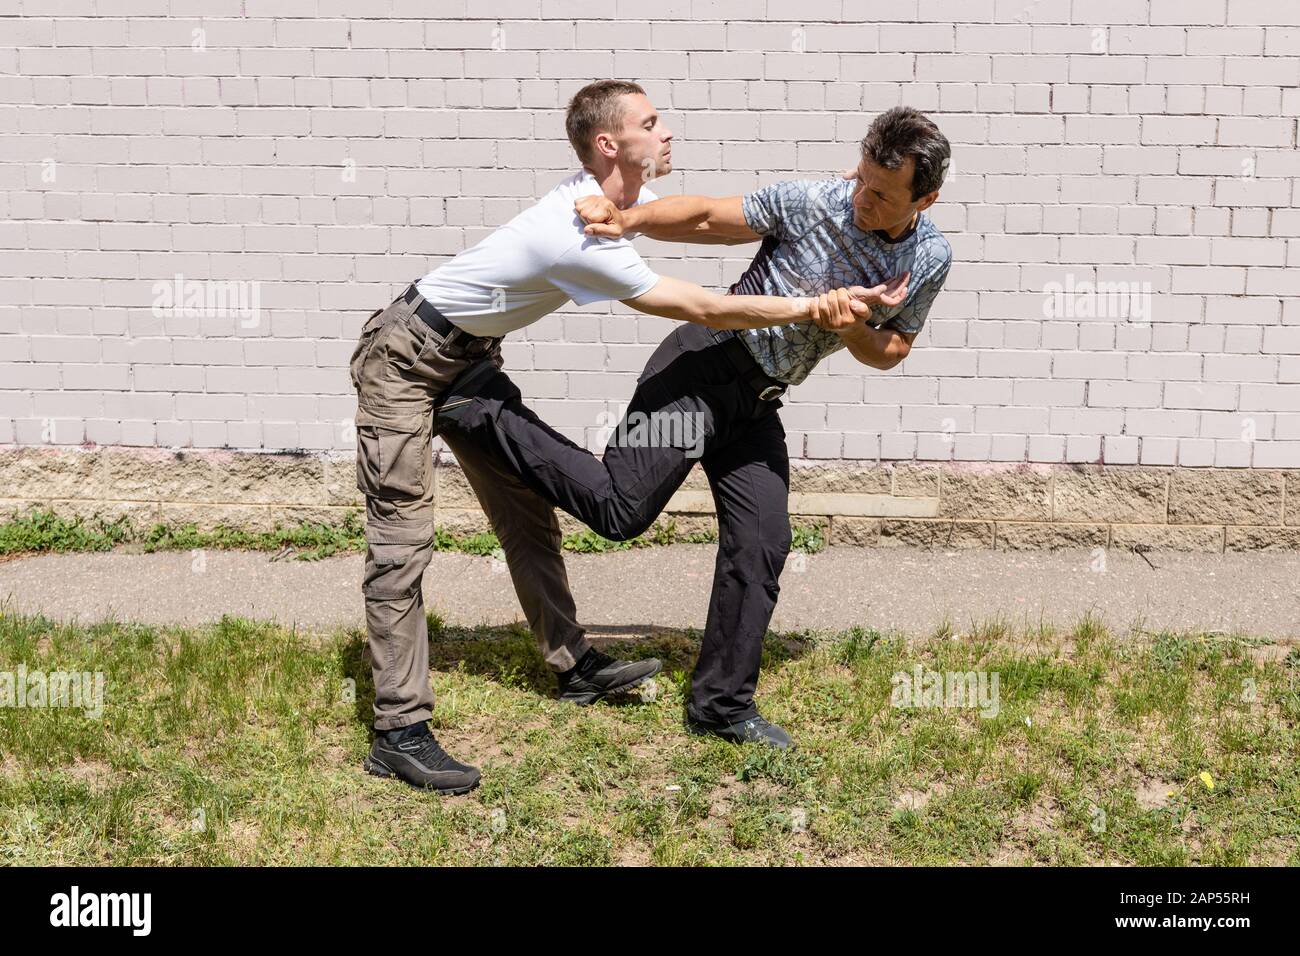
x=940 y=505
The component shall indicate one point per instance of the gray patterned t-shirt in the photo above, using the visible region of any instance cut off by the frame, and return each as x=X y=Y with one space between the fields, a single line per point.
x=811 y=245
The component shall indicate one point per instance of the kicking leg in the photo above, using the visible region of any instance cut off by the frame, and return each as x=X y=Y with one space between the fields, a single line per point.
x=687 y=401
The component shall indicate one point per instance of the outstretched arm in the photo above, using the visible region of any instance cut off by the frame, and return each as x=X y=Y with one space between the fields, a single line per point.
x=701 y=219
x=673 y=298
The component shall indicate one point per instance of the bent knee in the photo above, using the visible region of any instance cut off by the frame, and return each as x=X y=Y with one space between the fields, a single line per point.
x=628 y=529
x=621 y=523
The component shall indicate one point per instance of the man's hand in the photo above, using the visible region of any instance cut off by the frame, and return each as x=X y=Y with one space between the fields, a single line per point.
x=603 y=218
x=887 y=294
x=838 y=309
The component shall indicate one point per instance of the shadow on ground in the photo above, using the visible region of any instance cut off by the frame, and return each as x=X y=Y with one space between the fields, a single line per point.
x=509 y=656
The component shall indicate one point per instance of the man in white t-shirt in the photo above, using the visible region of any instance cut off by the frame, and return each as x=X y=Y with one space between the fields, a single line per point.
x=535 y=264
x=441 y=336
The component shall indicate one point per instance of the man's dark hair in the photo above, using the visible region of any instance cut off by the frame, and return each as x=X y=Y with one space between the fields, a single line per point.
x=596 y=108
x=901 y=132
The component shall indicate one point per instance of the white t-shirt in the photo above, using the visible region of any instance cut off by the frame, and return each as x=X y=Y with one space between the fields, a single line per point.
x=536 y=263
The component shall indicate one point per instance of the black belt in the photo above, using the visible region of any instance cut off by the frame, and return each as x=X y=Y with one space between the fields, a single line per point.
x=451 y=334
x=751 y=373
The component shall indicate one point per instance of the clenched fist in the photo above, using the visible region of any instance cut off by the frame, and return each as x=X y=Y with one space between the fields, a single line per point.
x=603 y=218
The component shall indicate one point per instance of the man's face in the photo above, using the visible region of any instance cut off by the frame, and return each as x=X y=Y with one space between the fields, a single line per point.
x=645 y=143
x=883 y=197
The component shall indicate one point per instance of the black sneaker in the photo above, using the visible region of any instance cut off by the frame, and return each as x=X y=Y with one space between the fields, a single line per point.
x=755 y=730
x=597 y=675
x=413 y=755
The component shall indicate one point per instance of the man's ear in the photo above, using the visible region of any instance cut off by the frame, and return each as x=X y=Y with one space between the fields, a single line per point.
x=927 y=201
x=606 y=146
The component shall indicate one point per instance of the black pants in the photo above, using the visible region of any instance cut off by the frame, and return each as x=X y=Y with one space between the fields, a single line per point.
x=691 y=403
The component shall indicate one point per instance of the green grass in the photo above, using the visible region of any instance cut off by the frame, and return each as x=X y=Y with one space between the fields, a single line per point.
x=44 y=531
x=807 y=538
x=41 y=531
x=38 y=531
x=241 y=743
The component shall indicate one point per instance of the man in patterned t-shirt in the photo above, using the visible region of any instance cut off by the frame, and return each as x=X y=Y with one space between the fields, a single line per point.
x=811 y=240
x=817 y=235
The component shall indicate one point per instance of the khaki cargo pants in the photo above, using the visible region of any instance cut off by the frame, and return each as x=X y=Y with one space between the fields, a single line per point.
x=399 y=367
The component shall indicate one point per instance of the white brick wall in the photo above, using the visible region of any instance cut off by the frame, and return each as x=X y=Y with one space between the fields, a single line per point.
x=329 y=152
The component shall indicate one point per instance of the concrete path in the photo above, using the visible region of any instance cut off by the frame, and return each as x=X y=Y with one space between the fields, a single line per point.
x=633 y=592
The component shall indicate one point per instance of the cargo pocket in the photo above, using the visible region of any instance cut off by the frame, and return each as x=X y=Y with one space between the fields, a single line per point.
x=364 y=341
x=391 y=455
x=391 y=555
x=390 y=582
x=398 y=555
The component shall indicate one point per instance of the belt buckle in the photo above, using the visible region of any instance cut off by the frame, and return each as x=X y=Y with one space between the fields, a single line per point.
x=771 y=392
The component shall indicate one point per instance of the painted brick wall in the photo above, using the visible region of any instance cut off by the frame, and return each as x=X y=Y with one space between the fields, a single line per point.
x=321 y=154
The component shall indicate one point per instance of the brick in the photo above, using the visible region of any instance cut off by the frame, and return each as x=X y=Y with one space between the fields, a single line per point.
x=228 y=164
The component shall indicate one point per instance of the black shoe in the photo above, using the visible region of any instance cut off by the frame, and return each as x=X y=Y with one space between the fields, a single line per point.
x=413 y=755
x=755 y=730
x=597 y=675
x=455 y=407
